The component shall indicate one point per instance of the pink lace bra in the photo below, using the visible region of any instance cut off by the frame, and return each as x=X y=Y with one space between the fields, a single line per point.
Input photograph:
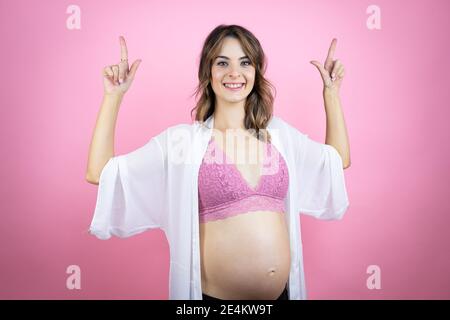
x=223 y=192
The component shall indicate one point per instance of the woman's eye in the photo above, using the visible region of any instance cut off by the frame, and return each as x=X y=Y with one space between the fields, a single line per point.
x=248 y=63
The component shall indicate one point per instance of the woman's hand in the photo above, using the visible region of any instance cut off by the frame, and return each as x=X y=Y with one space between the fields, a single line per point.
x=332 y=72
x=117 y=78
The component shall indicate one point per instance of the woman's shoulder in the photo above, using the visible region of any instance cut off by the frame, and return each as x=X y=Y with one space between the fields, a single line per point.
x=173 y=130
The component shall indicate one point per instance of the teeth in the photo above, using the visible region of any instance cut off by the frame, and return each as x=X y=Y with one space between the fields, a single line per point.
x=233 y=85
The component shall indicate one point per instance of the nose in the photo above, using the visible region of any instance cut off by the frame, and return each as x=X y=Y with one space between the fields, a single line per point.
x=234 y=73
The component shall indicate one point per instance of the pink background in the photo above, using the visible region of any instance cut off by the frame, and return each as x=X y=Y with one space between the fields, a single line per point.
x=395 y=99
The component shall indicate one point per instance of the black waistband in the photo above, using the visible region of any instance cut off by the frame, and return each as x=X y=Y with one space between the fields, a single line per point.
x=284 y=296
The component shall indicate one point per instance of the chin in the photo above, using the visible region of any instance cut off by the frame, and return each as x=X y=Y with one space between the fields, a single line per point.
x=236 y=99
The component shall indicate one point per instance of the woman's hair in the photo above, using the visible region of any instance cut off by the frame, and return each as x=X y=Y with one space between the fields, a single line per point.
x=259 y=103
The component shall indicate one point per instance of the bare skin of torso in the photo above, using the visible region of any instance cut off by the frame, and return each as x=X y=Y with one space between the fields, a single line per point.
x=246 y=256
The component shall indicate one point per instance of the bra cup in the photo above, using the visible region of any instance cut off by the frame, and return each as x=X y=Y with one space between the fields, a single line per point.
x=276 y=180
x=219 y=184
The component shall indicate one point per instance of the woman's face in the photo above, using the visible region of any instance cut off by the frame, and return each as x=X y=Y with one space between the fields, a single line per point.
x=231 y=66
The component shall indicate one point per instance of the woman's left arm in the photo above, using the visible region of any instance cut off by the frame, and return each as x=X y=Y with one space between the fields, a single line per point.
x=336 y=134
x=332 y=74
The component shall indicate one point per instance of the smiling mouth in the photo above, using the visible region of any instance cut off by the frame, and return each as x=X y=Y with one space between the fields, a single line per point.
x=234 y=87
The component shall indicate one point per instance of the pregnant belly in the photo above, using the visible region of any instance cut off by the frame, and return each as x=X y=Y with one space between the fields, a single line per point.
x=246 y=256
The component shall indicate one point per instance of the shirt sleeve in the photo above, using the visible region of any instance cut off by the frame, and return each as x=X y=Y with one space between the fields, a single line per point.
x=131 y=193
x=323 y=193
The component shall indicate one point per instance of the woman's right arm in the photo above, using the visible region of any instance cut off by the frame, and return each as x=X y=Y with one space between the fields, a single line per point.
x=101 y=148
x=116 y=81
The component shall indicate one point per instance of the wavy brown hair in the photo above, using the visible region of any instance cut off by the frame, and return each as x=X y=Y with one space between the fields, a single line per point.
x=259 y=103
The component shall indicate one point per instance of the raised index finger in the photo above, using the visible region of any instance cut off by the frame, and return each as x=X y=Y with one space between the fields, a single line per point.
x=123 y=49
x=331 y=52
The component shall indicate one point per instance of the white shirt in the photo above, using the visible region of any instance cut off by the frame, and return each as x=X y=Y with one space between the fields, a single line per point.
x=156 y=186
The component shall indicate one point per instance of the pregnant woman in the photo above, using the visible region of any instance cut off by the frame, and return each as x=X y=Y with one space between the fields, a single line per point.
x=254 y=173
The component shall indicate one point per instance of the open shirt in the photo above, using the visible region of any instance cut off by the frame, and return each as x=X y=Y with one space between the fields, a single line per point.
x=156 y=186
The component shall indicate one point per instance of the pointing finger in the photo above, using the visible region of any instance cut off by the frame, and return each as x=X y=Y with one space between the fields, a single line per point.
x=329 y=60
x=123 y=49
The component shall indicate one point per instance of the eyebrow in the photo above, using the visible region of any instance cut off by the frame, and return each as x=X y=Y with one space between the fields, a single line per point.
x=244 y=57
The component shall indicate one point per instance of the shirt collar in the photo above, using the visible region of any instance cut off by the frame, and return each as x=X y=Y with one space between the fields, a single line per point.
x=209 y=122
